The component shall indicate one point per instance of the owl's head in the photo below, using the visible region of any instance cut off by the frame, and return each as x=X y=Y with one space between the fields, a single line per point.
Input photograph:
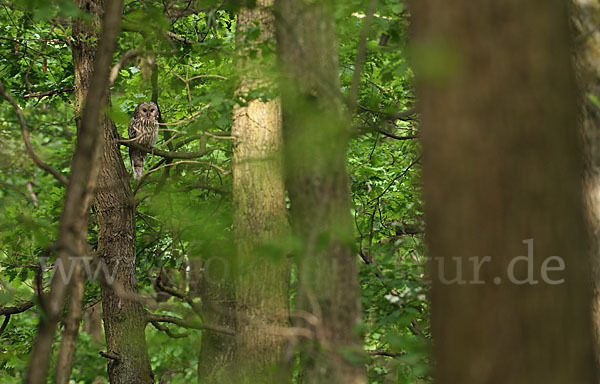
x=147 y=110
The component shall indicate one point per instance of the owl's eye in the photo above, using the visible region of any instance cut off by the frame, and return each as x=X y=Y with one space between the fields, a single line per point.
x=144 y=110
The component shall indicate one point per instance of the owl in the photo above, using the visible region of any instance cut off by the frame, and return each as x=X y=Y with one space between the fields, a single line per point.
x=143 y=127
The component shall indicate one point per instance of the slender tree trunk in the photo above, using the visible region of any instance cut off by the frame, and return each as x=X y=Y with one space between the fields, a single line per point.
x=316 y=134
x=503 y=193
x=64 y=364
x=114 y=206
x=84 y=169
x=260 y=214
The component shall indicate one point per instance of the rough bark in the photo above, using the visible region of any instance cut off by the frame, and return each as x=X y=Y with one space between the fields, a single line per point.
x=316 y=134
x=84 y=169
x=503 y=173
x=586 y=15
x=92 y=322
x=260 y=214
x=114 y=207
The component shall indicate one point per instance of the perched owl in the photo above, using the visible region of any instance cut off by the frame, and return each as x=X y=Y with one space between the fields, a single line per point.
x=143 y=127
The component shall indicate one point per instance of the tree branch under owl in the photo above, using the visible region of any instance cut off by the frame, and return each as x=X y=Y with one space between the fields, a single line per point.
x=161 y=153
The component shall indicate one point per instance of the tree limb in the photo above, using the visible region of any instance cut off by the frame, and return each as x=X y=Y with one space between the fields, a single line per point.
x=391 y=135
x=59 y=176
x=381 y=352
x=169 y=333
x=161 y=153
x=150 y=317
x=4 y=311
x=49 y=93
x=114 y=72
x=4 y=324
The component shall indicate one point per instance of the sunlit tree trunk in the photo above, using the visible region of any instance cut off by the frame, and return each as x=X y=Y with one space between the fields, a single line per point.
x=503 y=193
x=260 y=214
x=114 y=208
x=316 y=133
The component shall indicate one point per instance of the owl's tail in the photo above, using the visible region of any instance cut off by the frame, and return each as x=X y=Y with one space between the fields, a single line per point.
x=137 y=163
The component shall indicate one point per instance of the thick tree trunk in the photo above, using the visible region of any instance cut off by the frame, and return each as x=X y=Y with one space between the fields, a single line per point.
x=260 y=214
x=212 y=284
x=316 y=134
x=503 y=193
x=114 y=207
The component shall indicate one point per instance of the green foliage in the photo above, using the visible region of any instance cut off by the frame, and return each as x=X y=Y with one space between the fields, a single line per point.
x=185 y=209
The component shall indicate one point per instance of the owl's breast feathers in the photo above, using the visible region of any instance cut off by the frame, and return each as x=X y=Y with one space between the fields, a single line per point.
x=144 y=130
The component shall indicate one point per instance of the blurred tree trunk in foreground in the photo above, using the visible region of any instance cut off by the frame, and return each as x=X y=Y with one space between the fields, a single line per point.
x=114 y=208
x=218 y=308
x=72 y=235
x=586 y=16
x=503 y=178
x=316 y=133
x=260 y=214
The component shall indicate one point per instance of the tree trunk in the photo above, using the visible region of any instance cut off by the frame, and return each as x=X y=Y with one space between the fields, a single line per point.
x=585 y=19
x=64 y=363
x=213 y=285
x=260 y=214
x=316 y=134
x=114 y=207
x=503 y=193
x=84 y=170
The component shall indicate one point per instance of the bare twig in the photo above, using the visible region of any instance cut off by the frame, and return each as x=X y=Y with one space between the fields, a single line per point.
x=190 y=118
x=396 y=179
